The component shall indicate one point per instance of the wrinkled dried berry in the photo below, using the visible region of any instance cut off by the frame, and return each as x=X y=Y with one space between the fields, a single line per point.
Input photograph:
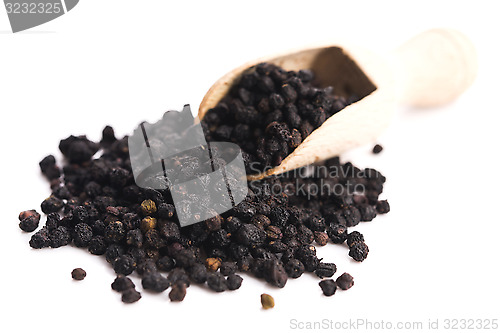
x=345 y=281
x=337 y=233
x=82 y=234
x=198 y=273
x=122 y=283
x=60 y=236
x=97 y=245
x=155 y=282
x=234 y=281
x=377 y=149
x=294 y=268
x=178 y=292
x=359 y=251
x=228 y=268
x=178 y=275
x=383 y=207
x=124 y=264
x=131 y=296
x=329 y=287
x=78 y=274
x=40 y=239
x=325 y=269
x=250 y=234
x=52 y=205
x=30 y=223
x=217 y=282
x=354 y=238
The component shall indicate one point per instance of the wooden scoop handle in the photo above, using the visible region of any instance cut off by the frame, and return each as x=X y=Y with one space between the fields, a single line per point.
x=434 y=68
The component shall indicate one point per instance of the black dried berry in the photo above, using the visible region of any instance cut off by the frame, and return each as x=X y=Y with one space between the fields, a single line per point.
x=354 y=238
x=178 y=292
x=383 y=207
x=328 y=287
x=294 y=268
x=97 y=245
x=114 y=232
x=345 y=281
x=82 y=234
x=377 y=149
x=228 y=267
x=359 y=251
x=325 y=269
x=337 y=233
x=122 y=283
x=131 y=296
x=198 y=273
x=30 y=223
x=78 y=274
x=165 y=263
x=155 y=282
x=217 y=282
x=124 y=264
x=60 y=236
x=234 y=281
x=52 y=205
x=250 y=234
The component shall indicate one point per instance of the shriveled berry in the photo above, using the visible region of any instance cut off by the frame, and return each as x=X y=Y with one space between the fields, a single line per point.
x=78 y=274
x=377 y=149
x=114 y=232
x=337 y=233
x=217 y=282
x=354 y=238
x=82 y=234
x=178 y=292
x=145 y=266
x=325 y=269
x=250 y=234
x=131 y=296
x=294 y=268
x=345 y=281
x=228 y=267
x=60 y=236
x=30 y=223
x=165 y=263
x=97 y=245
x=122 y=283
x=178 y=275
x=320 y=238
x=155 y=282
x=329 y=287
x=359 y=251
x=383 y=207
x=367 y=212
x=198 y=273
x=234 y=281
x=135 y=238
x=40 y=239
x=51 y=205
x=124 y=264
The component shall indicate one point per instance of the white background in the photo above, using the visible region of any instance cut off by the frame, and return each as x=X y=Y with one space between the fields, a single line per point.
x=434 y=256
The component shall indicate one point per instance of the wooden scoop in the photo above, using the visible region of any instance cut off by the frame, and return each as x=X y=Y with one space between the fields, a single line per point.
x=429 y=70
